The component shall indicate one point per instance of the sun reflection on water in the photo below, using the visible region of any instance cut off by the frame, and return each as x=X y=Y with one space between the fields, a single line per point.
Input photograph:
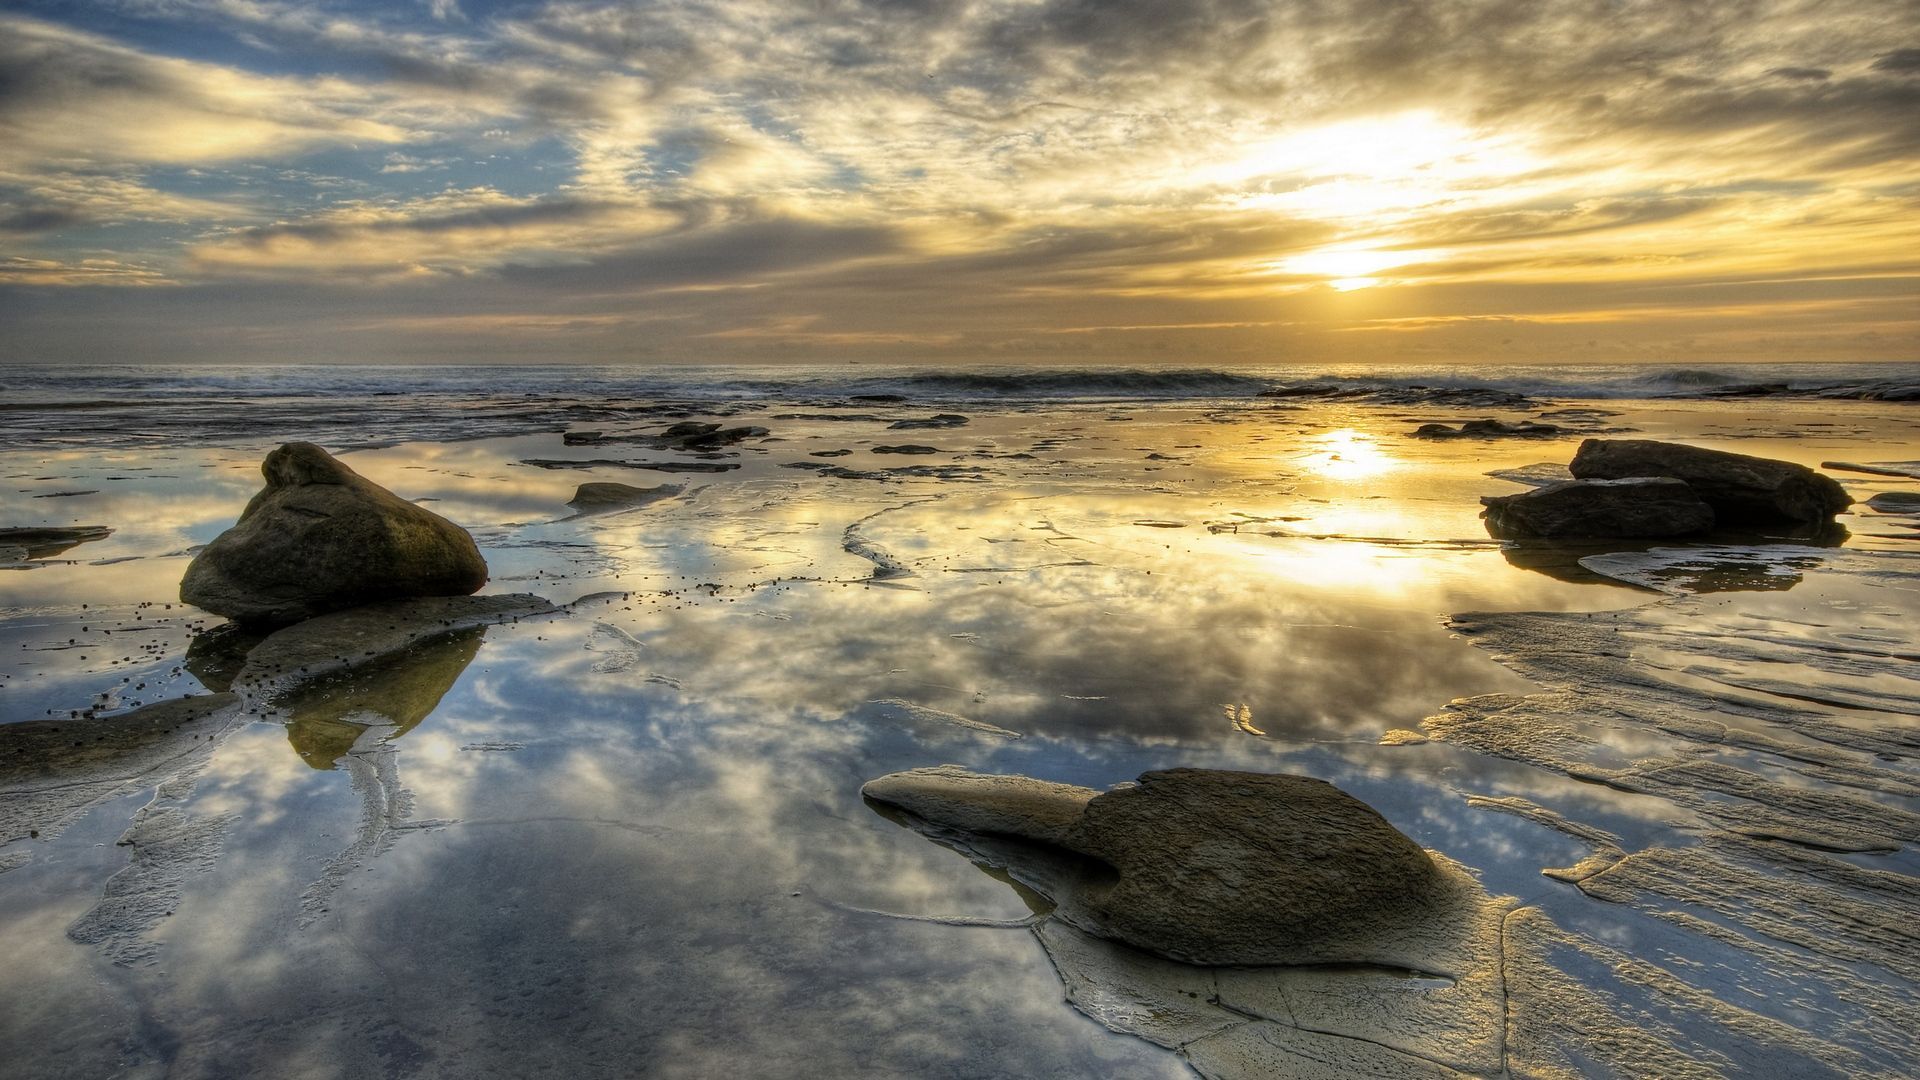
x=1346 y=454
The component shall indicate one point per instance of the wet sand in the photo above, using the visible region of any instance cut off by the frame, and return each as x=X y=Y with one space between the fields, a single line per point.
x=628 y=837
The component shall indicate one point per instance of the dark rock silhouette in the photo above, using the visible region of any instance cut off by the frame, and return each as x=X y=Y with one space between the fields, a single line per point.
x=1587 y=509
x=1742 y=490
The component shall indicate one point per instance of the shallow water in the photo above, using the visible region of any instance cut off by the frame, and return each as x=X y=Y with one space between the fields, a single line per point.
x=629 y=838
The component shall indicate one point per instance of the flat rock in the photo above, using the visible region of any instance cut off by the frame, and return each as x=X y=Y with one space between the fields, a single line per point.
x=611 y=463
x=41 y=542
x=907 y=448
x=1203 y=866
x=605 y=497
x=1896 y=502
x=343 y=639
x=686 y=435
x=1910 y=469
x=320 y=538
x=53 y=771
x=1538 y=474
x=1742 y=490
x=1587 y=509
x=937 y=420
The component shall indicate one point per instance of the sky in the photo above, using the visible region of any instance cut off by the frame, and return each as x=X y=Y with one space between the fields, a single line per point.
x=919 y=181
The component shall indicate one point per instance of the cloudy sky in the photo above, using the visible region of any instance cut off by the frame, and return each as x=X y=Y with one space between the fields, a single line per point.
x=1022 y=181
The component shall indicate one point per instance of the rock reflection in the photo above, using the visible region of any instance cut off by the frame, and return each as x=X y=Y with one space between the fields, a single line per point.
x=395 y=693
x=1724 y=562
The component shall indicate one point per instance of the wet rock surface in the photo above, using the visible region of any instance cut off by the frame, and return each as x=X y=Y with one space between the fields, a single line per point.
x=51 y=771
x=320 y=538
x=1635 y=507
x=1741 y=489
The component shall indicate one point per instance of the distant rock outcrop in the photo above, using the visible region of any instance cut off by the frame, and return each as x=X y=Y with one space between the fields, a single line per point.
x=1642 y=506
x=1200 y=865
x=318 y=538
x=1490 y=429
x=1742 y=490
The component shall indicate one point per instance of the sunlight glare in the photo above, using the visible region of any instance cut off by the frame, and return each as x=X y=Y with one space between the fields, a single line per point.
x=1348 y=268
x=1375 y=167
x=1347 y=454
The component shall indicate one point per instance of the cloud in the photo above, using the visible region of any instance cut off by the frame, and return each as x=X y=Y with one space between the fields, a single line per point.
x=1899 y=61
x=989 y=167
x=455 y=231
x=15 y=270
x=79 y=100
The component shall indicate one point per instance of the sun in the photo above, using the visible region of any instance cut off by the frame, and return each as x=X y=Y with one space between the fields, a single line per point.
x=1348 y=268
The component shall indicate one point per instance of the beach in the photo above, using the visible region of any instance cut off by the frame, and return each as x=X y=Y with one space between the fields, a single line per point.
x=625 y=835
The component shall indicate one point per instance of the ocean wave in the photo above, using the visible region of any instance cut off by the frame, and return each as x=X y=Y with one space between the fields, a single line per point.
x=144 y=405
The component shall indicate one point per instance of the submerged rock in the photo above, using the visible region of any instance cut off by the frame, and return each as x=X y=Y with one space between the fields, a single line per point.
x=1742 y=490
x=320 y=538
x=1575 y=509
x=1202 y=866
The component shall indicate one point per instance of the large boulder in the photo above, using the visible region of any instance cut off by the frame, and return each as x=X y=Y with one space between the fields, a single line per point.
x=318 y=538
x=1640 y=506
x=1200 y=865
x=1742 y=490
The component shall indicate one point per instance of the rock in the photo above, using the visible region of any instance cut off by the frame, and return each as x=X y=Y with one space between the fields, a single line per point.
x=937 y=420
x=1489 y=429
x=907 y=448
x=1742 y=490
x=319 y=538
x=39 y=543
x=1201 y=866
x=605 y=497
x=1896 y=502
x=686 y=435
x=1575 y=509
x=1910 y=469
x=297 y=655
x=652 y=466
x=688 y=429
x=1539 y=474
